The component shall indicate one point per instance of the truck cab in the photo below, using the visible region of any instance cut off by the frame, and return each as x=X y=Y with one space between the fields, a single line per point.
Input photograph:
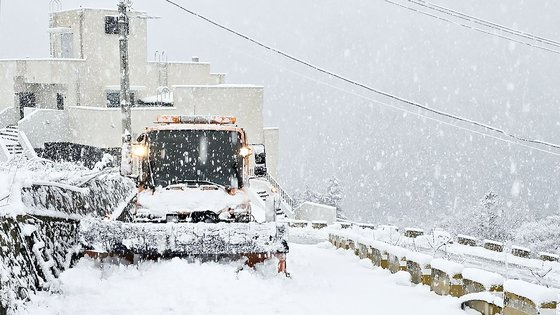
x=192 y=169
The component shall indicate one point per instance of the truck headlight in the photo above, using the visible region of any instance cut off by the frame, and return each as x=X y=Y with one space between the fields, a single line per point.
x=139 y=150
x=245 y=151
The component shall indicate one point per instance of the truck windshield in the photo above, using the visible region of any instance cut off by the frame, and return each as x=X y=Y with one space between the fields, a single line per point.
x=179 y=156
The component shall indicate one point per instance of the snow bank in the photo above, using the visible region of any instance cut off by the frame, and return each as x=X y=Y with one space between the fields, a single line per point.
x=419 y=258
x=449 y=267
x=533 y=292
x=486 y=278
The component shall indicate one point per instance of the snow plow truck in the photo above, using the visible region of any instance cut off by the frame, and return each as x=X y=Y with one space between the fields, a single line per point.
x=193 y=199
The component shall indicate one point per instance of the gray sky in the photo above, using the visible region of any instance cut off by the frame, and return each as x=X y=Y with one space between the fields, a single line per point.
x=389 y=162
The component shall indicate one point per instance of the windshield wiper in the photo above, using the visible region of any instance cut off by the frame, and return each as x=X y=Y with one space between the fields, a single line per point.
x=198 y=182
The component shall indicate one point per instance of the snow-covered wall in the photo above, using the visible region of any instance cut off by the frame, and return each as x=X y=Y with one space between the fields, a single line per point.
x=315 y=212
x=45 y=125
x=34 y=250
x=98 y=197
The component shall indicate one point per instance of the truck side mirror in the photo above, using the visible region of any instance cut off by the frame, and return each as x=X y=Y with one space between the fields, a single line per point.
x=259 y=153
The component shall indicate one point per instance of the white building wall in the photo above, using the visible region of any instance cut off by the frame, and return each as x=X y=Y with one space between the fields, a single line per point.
x=310 y=211
x=271 y=146
x=45 y=125
x=7 y=73
x=101 y=127
x=241 y=101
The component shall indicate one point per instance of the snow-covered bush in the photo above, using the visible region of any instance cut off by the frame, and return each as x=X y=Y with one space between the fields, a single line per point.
x=331 y=197
x=541 y=235
x=490 y=219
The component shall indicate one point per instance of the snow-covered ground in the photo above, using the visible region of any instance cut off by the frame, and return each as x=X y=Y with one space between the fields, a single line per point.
x=324 y=281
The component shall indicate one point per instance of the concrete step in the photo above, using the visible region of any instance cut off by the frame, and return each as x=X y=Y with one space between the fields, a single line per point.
x=10 y=138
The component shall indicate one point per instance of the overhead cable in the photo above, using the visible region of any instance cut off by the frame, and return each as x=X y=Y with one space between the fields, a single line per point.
x=366 y=87
x=486 y=23
x=473 y=28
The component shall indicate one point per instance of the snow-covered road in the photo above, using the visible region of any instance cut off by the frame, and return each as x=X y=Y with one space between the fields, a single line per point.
x=324 y=281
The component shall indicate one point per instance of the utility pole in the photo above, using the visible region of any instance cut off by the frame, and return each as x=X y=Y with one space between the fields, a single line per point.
x=123 y=25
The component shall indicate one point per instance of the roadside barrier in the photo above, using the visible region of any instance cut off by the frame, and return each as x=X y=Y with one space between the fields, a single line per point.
x=487 y=292
x=478 y=280
x=519 y=251
x=418 y=265
x=466 y=240
x=413 y=233
x=494 y=246
x=447 y=278
x=521 y=297
x=548 y=256
x=396 y=259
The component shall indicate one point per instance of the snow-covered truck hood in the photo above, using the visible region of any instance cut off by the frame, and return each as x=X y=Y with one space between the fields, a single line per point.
x=163 y=201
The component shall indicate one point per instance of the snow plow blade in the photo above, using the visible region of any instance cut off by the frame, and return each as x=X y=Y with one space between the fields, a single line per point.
x=204 y=241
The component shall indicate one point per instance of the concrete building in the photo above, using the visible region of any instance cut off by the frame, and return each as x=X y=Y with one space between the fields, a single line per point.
x=67 y=106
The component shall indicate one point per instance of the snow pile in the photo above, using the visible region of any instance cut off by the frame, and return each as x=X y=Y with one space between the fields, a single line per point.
x=449 y=267
x=486 y=278
x=536 y=293
x=402 y=278
x=323 y=281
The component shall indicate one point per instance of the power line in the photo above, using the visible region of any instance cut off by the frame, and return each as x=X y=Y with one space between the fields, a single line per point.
x=391 y=106
x=472 y=28
x=361 y=85
x=486 y=23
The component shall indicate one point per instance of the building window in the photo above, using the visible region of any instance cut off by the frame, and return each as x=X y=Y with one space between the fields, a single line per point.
x=59 y=101
x=26 y=99
x=66 y=45
x=111 y=25
x=114 y=99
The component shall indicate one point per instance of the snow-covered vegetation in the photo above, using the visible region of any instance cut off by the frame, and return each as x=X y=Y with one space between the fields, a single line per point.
x=490 y=219
x=331 y=194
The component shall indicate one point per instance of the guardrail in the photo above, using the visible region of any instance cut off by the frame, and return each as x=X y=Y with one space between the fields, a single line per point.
x=476 y=288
